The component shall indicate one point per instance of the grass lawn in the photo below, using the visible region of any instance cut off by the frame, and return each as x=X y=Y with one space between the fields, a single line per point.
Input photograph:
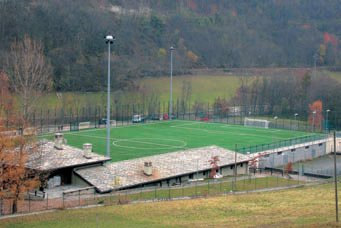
x=139 y=140
x=204 y=88
x=303 y=207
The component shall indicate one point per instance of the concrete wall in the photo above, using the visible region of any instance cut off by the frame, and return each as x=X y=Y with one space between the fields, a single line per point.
x=229 y=170
x=280 y=157
x=330 y=145
x=225 y=171
x=76 y=180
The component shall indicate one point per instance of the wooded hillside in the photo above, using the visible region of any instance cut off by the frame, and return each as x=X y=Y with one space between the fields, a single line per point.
x=210 y=34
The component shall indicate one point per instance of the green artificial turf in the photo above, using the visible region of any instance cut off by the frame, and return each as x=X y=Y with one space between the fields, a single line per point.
x=145 y=139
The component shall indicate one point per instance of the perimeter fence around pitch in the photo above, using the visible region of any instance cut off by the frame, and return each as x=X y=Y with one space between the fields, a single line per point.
x=52 y=120
x=260 y=181
x=281 y=144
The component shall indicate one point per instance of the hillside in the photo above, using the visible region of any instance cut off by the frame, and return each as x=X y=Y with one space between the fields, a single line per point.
x=210 y=34
x=302 y=207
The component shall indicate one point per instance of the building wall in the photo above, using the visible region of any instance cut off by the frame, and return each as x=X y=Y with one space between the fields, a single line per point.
x=330 y=145
x=76 y=180
x=242 y=168
x=281 y=157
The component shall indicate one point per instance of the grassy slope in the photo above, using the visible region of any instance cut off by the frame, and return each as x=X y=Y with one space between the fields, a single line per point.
x=335 y=75
x=165 y=136
x=204 y=88
x=303 y=207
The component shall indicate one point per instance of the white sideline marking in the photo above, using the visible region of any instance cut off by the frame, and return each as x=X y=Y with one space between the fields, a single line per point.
x=165 y=146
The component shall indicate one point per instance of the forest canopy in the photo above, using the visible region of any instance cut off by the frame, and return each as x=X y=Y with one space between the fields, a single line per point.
x=223 y=34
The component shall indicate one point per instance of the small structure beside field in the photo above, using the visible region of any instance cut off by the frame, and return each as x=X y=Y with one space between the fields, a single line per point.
x=163 y=170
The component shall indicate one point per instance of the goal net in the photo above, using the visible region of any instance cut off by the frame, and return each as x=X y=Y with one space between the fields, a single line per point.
x=256 y=123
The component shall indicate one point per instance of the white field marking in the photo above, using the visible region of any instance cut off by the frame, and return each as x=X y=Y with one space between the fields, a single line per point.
x=227 y=132
x=162 y=146
x=205 y=130
x=239 y=127
x=234 y=127
x=139 y=124
x=225 y=126
x=250 y=129
x=187 y=124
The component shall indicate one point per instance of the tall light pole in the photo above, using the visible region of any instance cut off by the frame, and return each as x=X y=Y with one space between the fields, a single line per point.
x=109 y=39
x=296 y=122
x=313 y=124
x=326 y=122
x=171 y=49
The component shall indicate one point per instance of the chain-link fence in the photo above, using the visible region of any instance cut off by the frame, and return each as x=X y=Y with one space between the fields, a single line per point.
x=261 y=180
x=51 y=120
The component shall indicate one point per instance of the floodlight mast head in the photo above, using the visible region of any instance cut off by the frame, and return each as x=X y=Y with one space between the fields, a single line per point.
x=109 y=39
x=296 y=114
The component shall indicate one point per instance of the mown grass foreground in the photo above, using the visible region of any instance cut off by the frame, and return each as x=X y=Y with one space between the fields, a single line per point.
x=139 y=140
x=301 y=207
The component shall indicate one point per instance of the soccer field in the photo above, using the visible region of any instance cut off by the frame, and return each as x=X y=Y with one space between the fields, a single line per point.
x=139 y=140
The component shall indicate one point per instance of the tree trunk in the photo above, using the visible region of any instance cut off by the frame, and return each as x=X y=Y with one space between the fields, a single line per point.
x=14 y=207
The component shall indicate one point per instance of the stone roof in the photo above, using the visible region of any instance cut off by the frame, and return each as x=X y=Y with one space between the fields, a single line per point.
x=130 y=172
x=47 y=157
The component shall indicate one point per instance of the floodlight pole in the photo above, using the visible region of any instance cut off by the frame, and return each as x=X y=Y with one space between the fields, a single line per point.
x=313 y=124
x=335 y=182
x=171 y=84
x=109 y=39
x=326 y=122
x=235 y=167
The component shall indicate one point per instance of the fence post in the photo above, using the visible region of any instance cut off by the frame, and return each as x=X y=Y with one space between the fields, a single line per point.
x=208 y=187
x=29 y=202
x=196 y=193
x=79 y=197
x=47 y=201
x=63 y=200
x=155 y=193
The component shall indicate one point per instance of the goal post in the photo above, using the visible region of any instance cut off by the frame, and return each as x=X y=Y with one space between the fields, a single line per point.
x=256 y=123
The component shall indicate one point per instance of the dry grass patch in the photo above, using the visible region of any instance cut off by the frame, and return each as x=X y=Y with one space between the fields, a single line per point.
x=303 y=207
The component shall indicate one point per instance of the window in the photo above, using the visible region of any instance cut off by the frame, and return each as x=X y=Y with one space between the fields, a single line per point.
x=279 y=153
x=204 y=173
x=191 y=176
x=241 y=164
x=292 y=150
x=320 y=144
x=307 y=147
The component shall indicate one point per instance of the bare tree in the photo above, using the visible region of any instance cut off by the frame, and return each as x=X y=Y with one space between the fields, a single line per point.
x=214 y=165
x=186 y=93
x=15 y=178
x=29 y=72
